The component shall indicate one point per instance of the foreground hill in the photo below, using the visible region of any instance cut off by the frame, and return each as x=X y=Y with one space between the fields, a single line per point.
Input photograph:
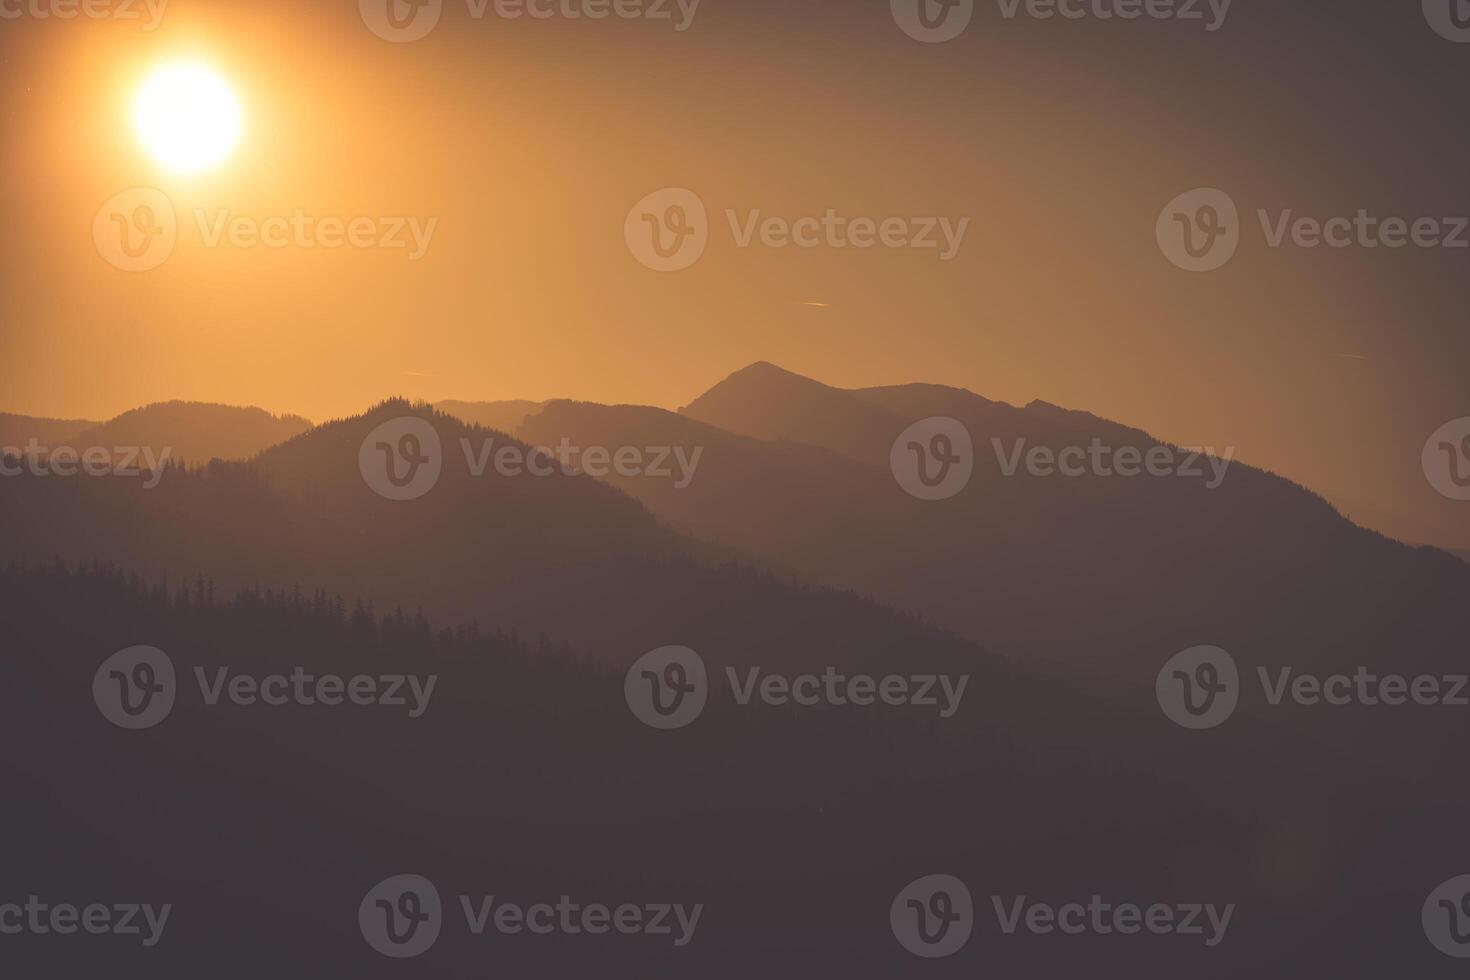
x=526 y=777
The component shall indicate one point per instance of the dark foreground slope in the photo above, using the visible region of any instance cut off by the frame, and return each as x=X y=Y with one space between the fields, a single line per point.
x=527 y=778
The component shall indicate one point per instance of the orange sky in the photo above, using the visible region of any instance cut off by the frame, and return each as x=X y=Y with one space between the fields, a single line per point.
x=528 y=141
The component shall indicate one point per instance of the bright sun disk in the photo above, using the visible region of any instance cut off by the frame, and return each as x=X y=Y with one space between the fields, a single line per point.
x=187 y=117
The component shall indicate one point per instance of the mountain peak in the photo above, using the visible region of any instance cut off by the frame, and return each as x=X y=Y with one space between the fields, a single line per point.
x=764 y=372
x=759 y=366
x=760 y=380
x=769 y=402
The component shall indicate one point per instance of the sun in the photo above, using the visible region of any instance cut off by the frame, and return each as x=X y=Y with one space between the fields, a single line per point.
x=187 y=117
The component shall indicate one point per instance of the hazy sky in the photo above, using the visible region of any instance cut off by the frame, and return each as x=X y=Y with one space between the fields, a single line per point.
x=529 y=140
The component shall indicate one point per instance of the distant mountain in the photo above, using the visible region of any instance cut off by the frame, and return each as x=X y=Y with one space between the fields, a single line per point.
x=1092 y=576
x=794 y=503
x=194 y=431
x=1097 y=572
x=502 y=416
x=16 y=431
x=770 y=403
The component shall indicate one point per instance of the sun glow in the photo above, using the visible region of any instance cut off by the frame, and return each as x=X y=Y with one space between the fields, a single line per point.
x=187 y=118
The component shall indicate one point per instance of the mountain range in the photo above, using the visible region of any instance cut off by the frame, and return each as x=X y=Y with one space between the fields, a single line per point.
x=769 y=525
x=1093 y=573
x=195 y=431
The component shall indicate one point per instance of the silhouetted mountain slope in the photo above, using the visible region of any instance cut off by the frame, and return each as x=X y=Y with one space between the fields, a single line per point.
x=1439 y=522
x=526 y=777
x=564 y=555
x=16 y=431
x=1100 y=572
x=736 y=490
x=771 y=403
x=195 y=431
x=502 y=416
